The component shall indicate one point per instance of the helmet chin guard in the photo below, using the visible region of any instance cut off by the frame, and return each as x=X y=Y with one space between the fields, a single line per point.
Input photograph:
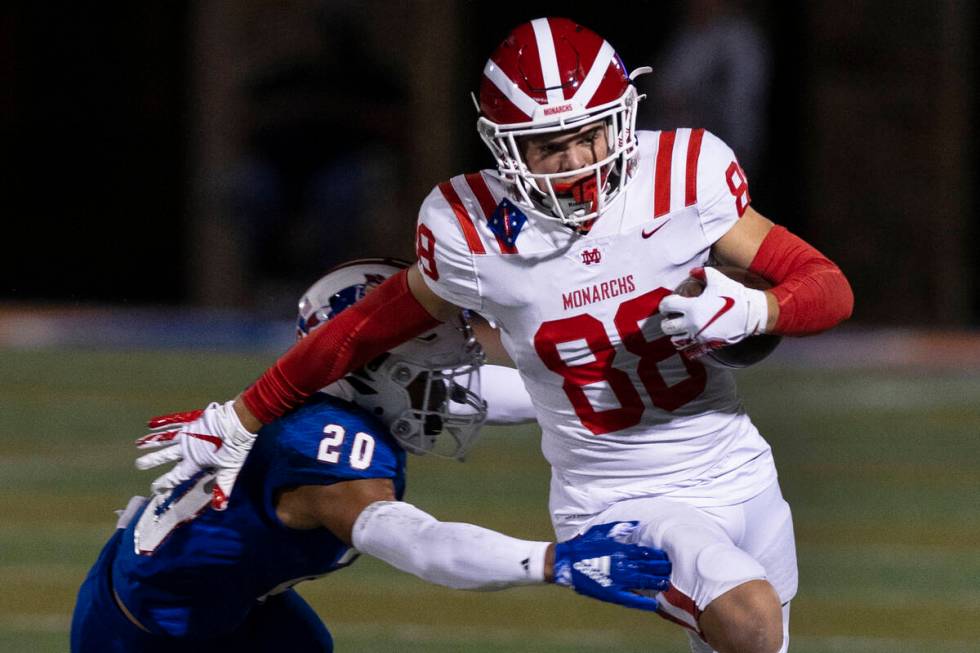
x=549 y=76
x=427 y=390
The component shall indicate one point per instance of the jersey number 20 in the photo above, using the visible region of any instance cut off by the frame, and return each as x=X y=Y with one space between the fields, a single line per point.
x=600 y=369
x=361 y=451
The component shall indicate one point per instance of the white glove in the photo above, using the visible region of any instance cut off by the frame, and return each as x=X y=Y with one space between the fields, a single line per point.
x=723 y=314
x=211 y=439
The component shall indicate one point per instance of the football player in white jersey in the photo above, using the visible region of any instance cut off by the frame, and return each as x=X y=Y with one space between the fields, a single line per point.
x=572 y=247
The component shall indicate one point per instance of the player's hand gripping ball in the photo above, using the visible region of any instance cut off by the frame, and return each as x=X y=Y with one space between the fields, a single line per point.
x=748 y=351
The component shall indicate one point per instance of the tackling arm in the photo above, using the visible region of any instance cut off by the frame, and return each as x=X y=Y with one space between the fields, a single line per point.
x=601 y=563
x=456 y=555
x=365 y=514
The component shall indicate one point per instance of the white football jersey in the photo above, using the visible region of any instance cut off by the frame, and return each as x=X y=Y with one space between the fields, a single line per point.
x=622 y=413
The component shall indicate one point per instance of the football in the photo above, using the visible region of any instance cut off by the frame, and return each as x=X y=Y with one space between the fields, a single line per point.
x=754 y=348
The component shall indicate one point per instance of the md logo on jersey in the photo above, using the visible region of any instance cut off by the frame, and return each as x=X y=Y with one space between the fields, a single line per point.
x=506 y=222
x=591 y=256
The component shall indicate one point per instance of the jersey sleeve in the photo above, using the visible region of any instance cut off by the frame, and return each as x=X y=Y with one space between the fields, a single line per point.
x=508 y=401
x=722 y=188
x=322 y=445
x=445 y=256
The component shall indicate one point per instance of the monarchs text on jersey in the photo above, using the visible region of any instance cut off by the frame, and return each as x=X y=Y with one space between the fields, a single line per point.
x=623 y=414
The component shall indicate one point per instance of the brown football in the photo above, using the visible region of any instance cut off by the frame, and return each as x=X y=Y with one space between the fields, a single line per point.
x=754 y=348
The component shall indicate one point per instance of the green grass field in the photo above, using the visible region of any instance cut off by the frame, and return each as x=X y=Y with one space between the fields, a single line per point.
x=882 y=470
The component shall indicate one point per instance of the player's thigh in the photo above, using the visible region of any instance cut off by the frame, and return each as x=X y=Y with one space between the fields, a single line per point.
x=285 y=622
x=97 y=624
x=698 y=645
x=706 y=561
x=768 y=537
x=94 y=627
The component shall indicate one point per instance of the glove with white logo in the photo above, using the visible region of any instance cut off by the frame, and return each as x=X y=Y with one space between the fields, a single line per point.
x=211 y=439
x=602 y=564
x=723 y=314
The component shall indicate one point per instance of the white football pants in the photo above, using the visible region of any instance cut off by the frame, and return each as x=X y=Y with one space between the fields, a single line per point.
x=714 y=549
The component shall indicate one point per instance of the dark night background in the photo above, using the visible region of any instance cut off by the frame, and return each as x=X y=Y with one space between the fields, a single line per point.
x=125 y=127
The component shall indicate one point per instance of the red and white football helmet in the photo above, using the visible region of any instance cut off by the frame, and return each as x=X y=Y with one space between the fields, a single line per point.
x=552 y=75
x=425 y=390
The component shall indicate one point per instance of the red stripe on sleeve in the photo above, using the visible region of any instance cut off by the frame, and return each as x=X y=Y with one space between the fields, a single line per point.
x=463 y=217
x=488 y=204
x=691 y=181
x=661 y=180
x=483 y=195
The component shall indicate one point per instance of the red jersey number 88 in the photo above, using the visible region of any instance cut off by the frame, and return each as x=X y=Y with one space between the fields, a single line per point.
x=585 y=327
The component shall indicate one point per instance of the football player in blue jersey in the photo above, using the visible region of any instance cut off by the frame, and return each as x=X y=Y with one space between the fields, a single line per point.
x=325 y=483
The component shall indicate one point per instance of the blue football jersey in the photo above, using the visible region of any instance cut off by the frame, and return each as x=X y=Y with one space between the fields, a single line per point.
x=208 y=573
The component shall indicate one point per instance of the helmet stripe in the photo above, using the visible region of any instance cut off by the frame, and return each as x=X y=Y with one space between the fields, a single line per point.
x=524 y=102
x=548 y=59
x=596 y=73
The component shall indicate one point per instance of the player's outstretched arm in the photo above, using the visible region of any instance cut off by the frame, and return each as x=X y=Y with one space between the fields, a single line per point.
x=399 y=309
x=508 y=401
x=601 y=564
x=219 y=437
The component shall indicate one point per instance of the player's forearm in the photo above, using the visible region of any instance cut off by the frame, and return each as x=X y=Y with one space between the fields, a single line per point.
x=387 y=317
x=460 y=556
x=810 y=294
x=508 y=401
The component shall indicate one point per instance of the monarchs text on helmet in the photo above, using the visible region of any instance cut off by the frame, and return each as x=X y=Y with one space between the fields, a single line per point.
x=553 y=75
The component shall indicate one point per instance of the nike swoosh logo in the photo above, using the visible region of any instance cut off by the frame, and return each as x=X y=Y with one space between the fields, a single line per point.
x=729 y=302
x=647 y=234
x=207 y=437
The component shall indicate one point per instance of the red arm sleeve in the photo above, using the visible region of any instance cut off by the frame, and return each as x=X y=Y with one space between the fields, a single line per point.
x=812 y=292
x=387 y=317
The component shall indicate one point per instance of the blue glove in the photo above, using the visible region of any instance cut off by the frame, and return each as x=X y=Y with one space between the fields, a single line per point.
x=601 y=564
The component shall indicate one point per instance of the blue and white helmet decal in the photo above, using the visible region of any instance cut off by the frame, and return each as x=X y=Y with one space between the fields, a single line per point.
x=342 y=299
